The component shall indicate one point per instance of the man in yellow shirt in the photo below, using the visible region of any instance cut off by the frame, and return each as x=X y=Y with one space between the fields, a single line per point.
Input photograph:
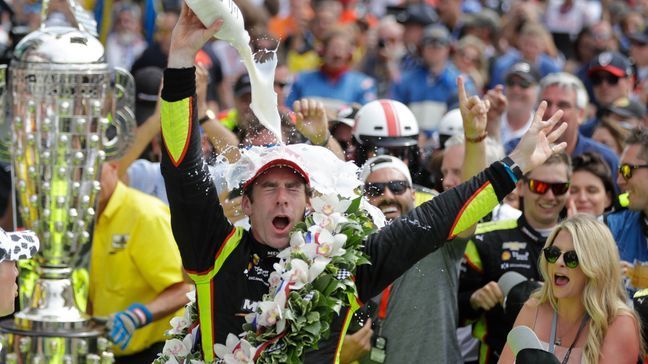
x=136 y=275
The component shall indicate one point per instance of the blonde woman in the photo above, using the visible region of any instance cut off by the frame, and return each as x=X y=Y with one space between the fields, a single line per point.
x=580 y=313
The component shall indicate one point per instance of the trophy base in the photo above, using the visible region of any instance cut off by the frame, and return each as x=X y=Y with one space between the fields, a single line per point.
x=56 y=346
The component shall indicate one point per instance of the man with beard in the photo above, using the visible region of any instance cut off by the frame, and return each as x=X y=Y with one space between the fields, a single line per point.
x=430 y=286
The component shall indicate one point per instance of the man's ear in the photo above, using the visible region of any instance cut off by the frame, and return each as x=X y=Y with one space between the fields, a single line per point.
x=246 y=205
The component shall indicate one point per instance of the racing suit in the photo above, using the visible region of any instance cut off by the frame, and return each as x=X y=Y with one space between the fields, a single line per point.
x=230 y=268
x=497 y=247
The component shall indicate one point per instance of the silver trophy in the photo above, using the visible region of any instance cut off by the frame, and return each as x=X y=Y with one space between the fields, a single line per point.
x=67 y=113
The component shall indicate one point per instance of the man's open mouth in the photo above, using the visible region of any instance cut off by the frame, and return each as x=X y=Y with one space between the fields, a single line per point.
x=281 y=223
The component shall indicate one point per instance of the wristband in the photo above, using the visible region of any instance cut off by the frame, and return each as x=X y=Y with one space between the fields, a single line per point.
x=476 y=139
x=514 y=171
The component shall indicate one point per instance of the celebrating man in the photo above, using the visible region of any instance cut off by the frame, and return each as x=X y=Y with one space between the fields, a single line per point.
x=231 y=266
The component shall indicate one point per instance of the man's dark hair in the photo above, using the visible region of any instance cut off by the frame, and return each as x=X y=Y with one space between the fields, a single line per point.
x=640 y=136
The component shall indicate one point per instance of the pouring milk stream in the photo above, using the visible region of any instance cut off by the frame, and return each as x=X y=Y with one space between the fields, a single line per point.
x=264 y=99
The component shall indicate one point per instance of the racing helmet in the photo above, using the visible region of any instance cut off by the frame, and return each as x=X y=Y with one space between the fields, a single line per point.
x=386 y=123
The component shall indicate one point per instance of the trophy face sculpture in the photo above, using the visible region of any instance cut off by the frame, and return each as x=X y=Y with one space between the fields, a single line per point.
x=68 y=112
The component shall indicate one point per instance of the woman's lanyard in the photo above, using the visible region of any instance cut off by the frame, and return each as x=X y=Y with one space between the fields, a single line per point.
x=552 y=339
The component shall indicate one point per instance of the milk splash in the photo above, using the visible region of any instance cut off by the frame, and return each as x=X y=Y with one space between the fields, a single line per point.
x=264 y=99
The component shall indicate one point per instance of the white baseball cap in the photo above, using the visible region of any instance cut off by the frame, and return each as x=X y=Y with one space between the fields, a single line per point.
x=384 y=161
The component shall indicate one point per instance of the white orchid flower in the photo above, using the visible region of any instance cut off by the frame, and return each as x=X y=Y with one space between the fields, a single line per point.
x=297 y=276
x=296 y=243
x=235 y=350
x=179 y=324
x=326 y=244
x=178 y=349
x=329 y=204
x=329 y=222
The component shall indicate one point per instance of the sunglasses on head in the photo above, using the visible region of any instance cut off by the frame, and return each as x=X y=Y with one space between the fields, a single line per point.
x=541 y=187
x=375 y=189
x=552 y=254
x=610 y=79
x=522 y=83
x=625 y=170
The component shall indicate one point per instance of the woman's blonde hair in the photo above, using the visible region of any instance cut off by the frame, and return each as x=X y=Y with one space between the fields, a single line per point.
x=604 y=296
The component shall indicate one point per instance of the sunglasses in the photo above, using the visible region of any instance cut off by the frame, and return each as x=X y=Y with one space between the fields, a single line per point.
x=552 y=254
x=625 y=170
x=375 y=189
x=608 y=78
x=520 y=83
x=541 y=187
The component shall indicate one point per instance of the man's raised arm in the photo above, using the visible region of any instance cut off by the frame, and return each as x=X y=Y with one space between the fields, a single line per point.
x=399 y=245
x=199 y=225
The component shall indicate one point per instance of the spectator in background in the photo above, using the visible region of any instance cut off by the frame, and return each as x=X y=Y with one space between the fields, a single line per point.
x=237 y=119
x=631 y=23
x=611 y=75
x=450 y=13
x=592 y=188
x=511 y=115
x=136 y=275
x=580 y=267
x=428 y=87
x=303 y=48
x=485 y=25
x=629 y=226
x=157 y=53
x=335 y=84
x=612 y=135
x=468 y=57
x=639 y=55
x=125 y=43
x=565 y=20
x=563 y=91
x=415 y=18
x=382 y=61
x=342 y=129
x=510 y=245
x=531 y=46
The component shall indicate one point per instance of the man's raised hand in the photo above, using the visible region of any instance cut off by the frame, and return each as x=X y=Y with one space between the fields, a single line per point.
x=311 y=120
x=473 y=112
x=537 y=144
x=189 y=35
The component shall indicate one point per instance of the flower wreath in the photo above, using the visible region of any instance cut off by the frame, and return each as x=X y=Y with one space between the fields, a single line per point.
x=308 y=287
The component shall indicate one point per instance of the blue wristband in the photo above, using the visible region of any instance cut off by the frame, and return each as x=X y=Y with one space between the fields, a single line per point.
x=140 y=309
x=512 y=169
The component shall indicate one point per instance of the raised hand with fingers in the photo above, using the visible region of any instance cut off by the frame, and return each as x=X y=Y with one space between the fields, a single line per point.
x=311 y=120
x=474 y=114
x=189 y=35
x=537 y=144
